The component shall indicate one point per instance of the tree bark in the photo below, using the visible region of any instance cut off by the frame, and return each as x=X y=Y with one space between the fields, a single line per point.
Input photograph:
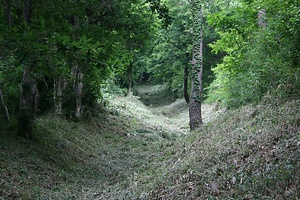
x=197 y=66
x=78 y=90
x=28 y=104
x=58 y=95
x=78 y=84
x=29 y=92
x=185 y=85
x=129 y=75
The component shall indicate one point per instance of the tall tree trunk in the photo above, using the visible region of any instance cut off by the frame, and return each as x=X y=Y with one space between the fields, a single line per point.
x=197 y=66
x=4 y=106
x=78 y=84
x=29 y=93
x=78 y=90
x=58 y=95
x=28 y=104
x=129 y=76
x=185 y=85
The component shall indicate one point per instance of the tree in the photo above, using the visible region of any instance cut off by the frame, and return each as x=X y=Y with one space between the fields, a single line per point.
x=139 y=27
x=169 y=61
x=29 y=92
x=68 y=53
x=137 y=33
x=171 y=51
x=197 y=63
x=261 y=51
x=62 y=52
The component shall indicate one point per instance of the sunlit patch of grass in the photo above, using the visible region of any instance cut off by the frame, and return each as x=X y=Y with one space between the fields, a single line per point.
x=96 y=158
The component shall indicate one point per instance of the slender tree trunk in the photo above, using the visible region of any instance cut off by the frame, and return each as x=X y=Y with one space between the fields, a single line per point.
x=197 y=66
x=78 y=85
x=28 y=104
x=185 y=85
x=29 y=92
x=58 y=95
x=4 y=106
x=129 y=76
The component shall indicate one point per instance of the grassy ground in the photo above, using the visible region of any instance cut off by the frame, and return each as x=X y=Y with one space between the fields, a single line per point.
x=133 y=151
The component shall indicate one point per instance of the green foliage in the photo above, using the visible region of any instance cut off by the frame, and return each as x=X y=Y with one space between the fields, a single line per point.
x=10 y=78
x=137 y=35
x=259 y=61
x=172 y=50
x=100 y=37
x=162 y=9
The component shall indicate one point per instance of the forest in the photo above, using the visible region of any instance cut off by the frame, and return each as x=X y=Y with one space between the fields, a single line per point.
x=149 y=99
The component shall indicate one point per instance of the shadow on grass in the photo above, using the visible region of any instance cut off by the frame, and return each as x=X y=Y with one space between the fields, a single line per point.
x=154 y=95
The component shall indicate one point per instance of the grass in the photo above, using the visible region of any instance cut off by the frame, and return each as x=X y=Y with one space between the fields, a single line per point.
x=137 y=152
x=251 y=153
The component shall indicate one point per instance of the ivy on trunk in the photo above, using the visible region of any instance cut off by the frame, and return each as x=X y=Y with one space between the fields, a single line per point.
x=197 y=66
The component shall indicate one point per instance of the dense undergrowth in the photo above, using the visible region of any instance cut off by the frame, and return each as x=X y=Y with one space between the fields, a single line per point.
x=132 y=151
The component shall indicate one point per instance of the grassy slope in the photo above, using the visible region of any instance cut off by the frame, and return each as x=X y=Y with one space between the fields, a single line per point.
x=134 y=151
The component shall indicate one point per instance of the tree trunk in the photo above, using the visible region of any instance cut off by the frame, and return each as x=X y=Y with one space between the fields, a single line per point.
x=29 y=93
x=58 y=95
x=78 y=90
x=78 y=84
x=197 y=66
x=185 y=85
x=28 y=104
x=129 y=75
x=4 y=106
